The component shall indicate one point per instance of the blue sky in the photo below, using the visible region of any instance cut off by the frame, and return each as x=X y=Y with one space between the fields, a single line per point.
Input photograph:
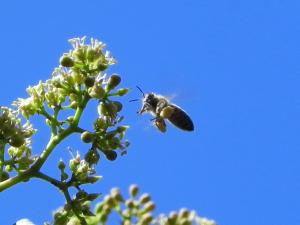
x=232 y=65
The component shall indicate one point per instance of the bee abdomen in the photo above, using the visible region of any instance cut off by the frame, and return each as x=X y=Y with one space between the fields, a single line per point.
x=180 y=119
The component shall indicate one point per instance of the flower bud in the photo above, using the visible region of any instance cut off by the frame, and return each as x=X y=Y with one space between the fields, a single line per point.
x=133 y=190
x=87 y=137
x=102 y=66
x=92 y=197
x=92 y=179
x=89 y=81
x=66 y=61
x=109 y=201
x=79 y=53
x=91 y=54
x=146 y=219
x=167 y=112
x=111 y=155
x=96 y=91
x=122 y=91
x=144 y=198
x=92 y=156
x=116 y=194
x=61 y=164
x=73 y=164
x=81 y=194
x=173 y=217
x=149 y=206
x=117 y=106
x=113 y=81
x=183 y=213
x=16 y=140
x=129 y=204
x=184 y=221
x=9 y=168
x=100 y=124
x=122 y=129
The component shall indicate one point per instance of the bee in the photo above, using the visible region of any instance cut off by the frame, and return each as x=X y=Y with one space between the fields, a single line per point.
x=161 y=108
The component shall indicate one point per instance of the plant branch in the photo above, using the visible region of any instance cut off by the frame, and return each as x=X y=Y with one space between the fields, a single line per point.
x=54 y=141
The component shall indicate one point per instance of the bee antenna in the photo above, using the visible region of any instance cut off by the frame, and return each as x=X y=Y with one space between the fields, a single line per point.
x=134 y=100
x=141 y=91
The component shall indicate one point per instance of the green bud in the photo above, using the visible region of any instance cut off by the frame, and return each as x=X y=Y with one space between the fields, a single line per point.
x=129 y=204
x=89 y=81
x=92 y=197
x=146 y=219
x=106 y=209
x=66 y=61
x=109 y=201
x=79 y=53
x=114 y=143
x=92 y=179
x=16 y=140
x=106 y=109
x=96 y=91
x=91 y=54
x=78 y=77
x=61 y=165
x=122 y=91
x=149 y=206
x=172 y=217
x=116 y=194
x=184 y=221
x=183 y=213
x=9 y=168
x=102 y=66
x=100 y=124
x=103 y=109
x=122 y=129
x=87 y=137
x=111 y=155
x=73 y=164
x=92 y=156
x=144 y=198
x=133 y=190
x=113 y=81
x=81 y=194
x=117 y=106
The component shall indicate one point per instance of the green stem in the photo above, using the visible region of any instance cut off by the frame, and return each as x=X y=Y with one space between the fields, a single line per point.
x=61 y=185
x=54 y=141
x=2 y=147
x=71 y=203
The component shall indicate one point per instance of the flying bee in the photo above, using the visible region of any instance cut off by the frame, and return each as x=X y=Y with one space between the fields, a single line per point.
x=161 y=108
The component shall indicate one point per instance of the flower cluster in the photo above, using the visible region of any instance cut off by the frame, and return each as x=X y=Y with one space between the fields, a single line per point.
x=18 y=136
x=136 y=210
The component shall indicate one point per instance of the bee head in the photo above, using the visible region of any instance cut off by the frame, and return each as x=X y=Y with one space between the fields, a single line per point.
x=150 y=99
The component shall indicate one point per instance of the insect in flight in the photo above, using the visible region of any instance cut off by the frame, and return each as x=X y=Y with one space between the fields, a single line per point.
x=161 y=108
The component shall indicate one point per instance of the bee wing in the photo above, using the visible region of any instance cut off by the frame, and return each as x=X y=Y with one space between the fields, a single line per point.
x=181 y=119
